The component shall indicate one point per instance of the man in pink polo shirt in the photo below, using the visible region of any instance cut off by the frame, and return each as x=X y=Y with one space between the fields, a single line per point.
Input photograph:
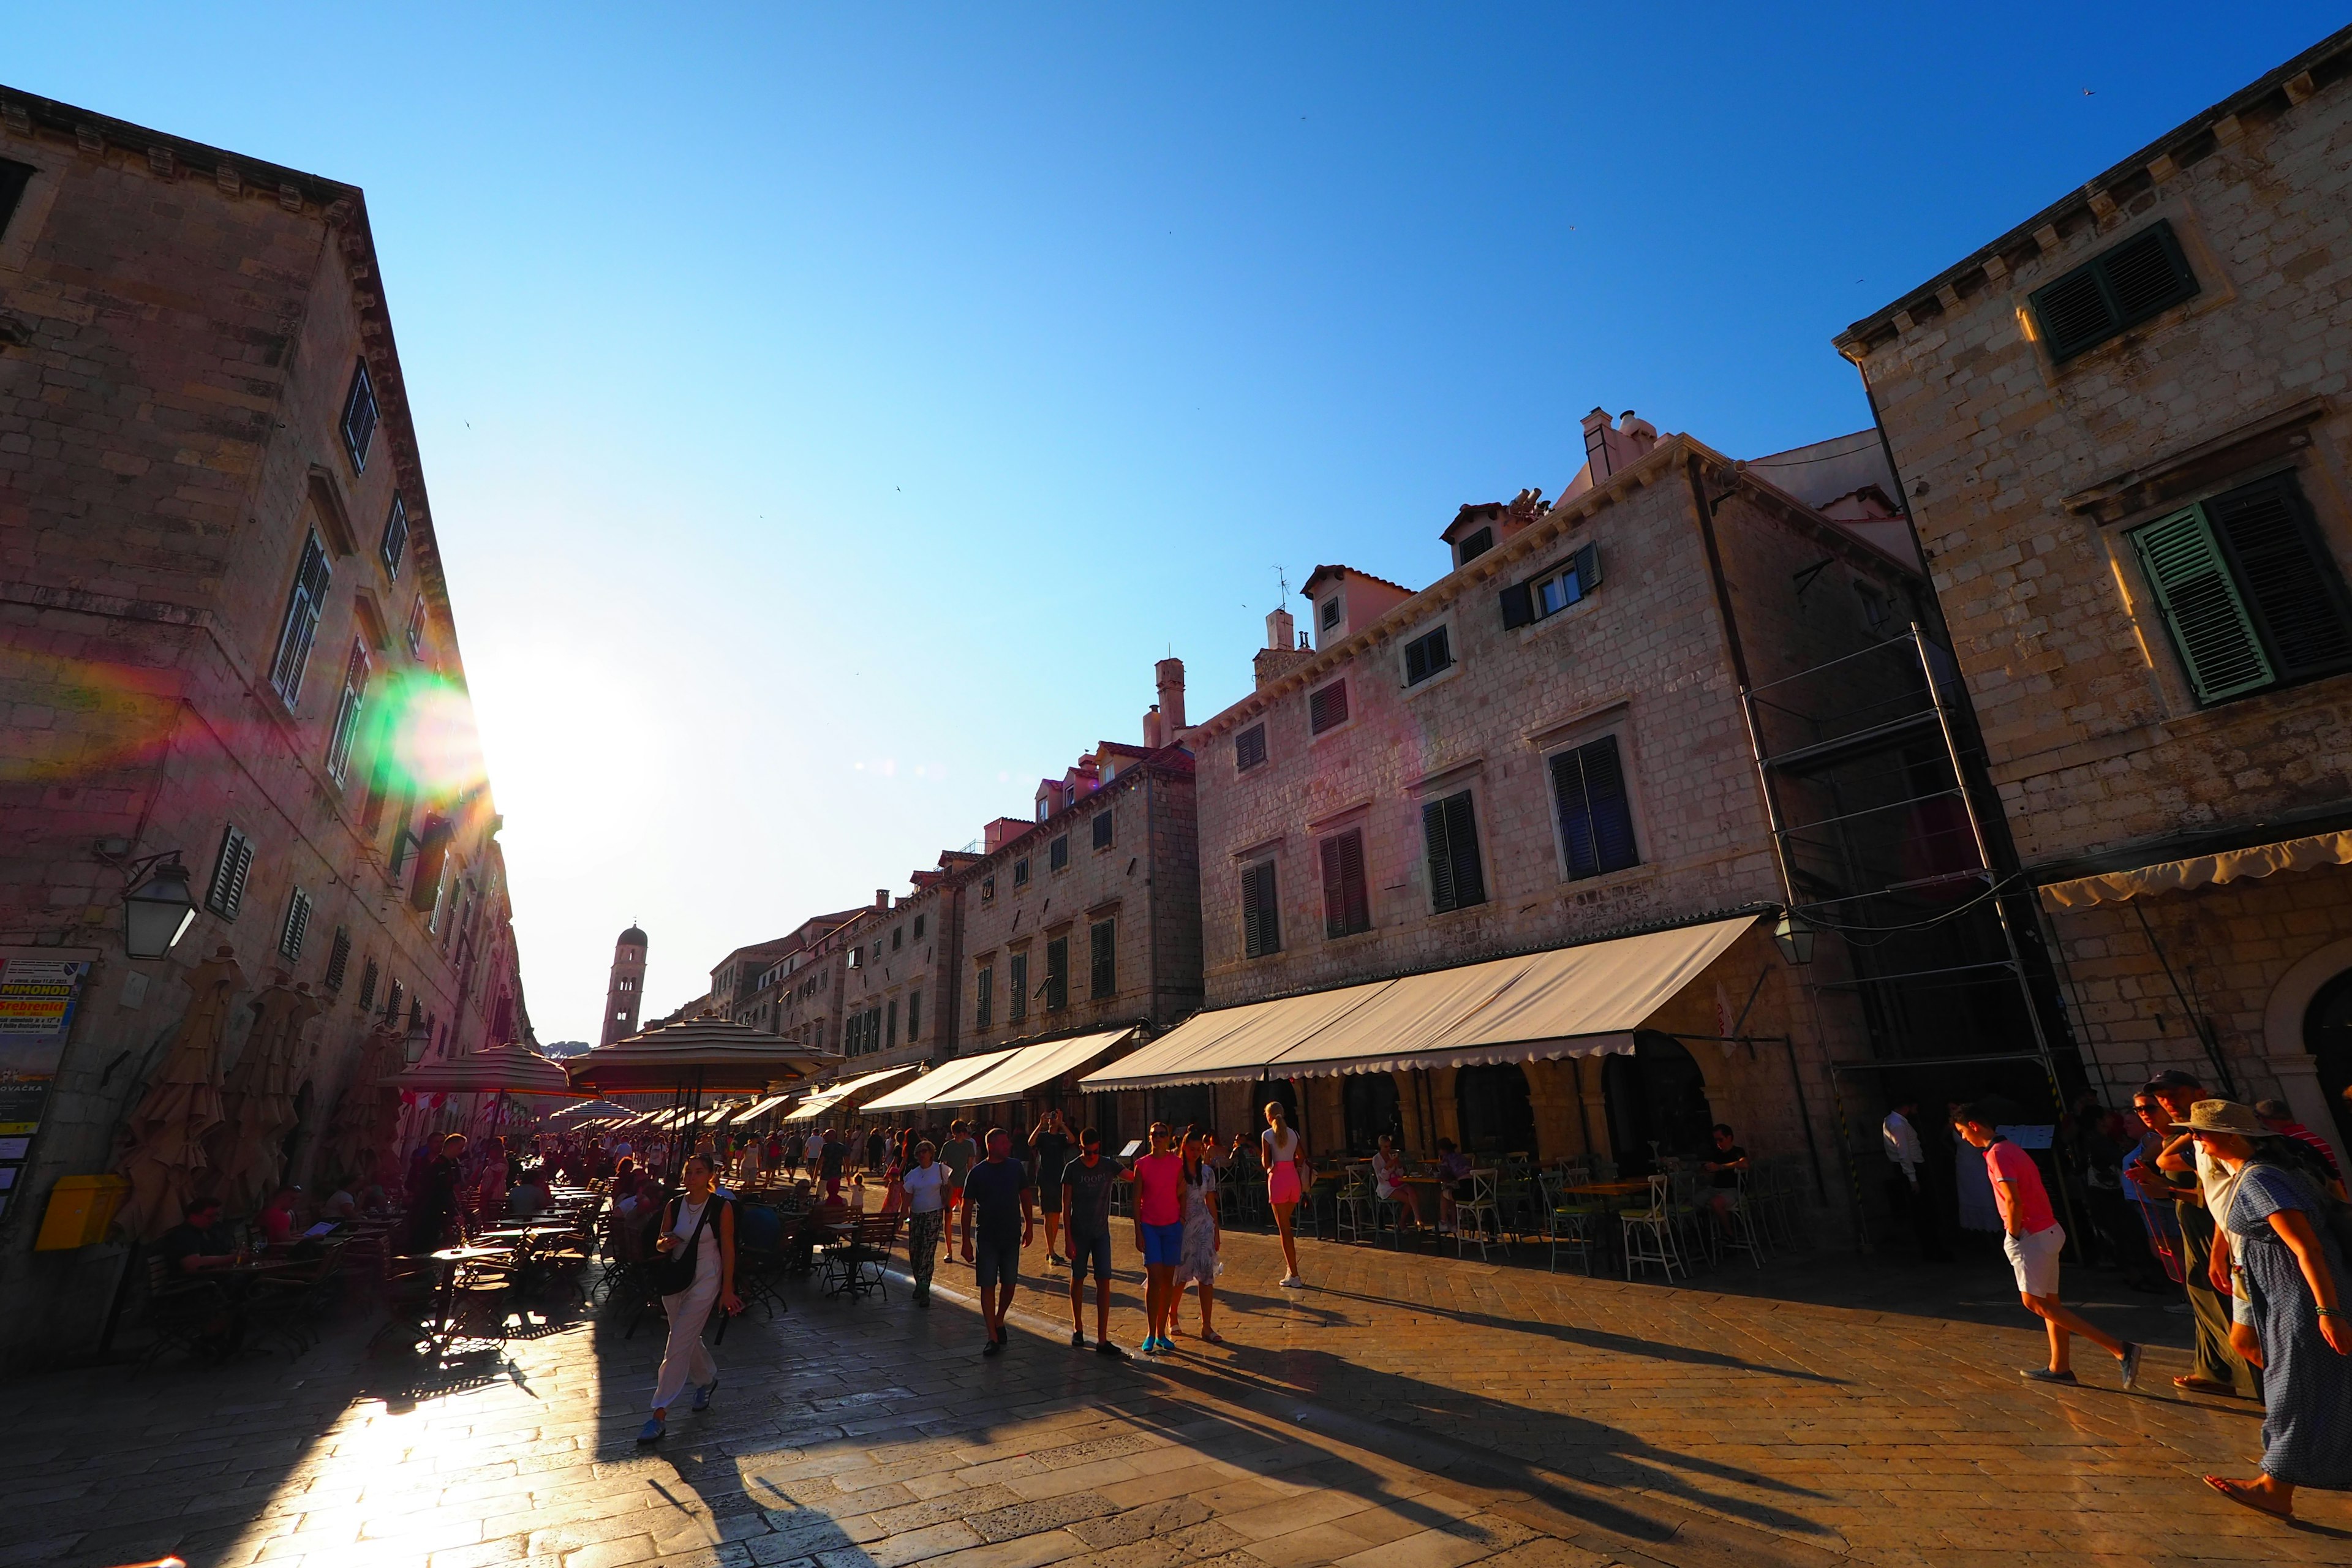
x=2033 y=1241
x=1160 y=1234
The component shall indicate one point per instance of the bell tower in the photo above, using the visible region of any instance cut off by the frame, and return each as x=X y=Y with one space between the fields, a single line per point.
x=624 y=993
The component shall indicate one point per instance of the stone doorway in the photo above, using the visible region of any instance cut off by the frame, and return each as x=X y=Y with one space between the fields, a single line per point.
x=1656 y=1100
x=2328 y=1036
x=1494 y=1110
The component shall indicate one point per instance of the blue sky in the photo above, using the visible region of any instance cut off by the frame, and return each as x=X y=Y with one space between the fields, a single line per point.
x=830 y=412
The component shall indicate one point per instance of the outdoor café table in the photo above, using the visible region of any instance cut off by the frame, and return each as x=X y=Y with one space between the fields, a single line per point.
x=1608 y=1189
x=454 y=1261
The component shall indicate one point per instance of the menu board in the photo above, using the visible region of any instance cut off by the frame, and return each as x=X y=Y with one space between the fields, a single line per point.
x=37 y=998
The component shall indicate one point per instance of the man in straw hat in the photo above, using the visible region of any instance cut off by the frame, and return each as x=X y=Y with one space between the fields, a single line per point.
x=2033 y=1238
x=2191 y=1181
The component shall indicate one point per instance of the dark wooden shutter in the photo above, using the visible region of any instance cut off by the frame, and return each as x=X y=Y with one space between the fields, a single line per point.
x=2289 y=582
x=914 y=1016
x=1326 y=708
x=394 y=551
x=1261 y=921
x=1450 y=831
x=303 y=603
x=2201 y=606
x=983 y=1005
x=1249 y=748
x=1346 y=901
x=339 y=959
x=1426 y=655
x=1588 y=569
x=297 y=926
x=1518 y=606
x=1596 y=816
x=359 y=417
x=224 y=895
x=1104 y=955
x=2143 y=276
x=1102 y=830
x=1058 y=853
x=1057 y=974
x=1475 y=545
x=14 y=178
x=367 y=984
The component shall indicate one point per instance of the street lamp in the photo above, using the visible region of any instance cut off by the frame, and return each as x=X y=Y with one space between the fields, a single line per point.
x=158 y=909
x=412 y=1044
x=1794 y=937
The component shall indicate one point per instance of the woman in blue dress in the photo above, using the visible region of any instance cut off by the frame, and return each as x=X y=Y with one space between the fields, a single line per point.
x=2287 y=1277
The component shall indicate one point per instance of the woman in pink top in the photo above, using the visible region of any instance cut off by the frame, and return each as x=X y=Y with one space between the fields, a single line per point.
x=1160 y=1234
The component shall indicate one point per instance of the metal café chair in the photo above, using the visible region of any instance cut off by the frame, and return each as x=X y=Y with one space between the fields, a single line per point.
x=1739 y=1231
x=1572 y=1222
x=1358 y=1212
x=1649 y=1234
x=1476 y=1217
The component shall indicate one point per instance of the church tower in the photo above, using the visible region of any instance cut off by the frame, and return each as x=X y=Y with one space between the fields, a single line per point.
x=625 y=993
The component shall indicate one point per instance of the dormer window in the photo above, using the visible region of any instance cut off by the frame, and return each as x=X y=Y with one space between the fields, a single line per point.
x=1473 y=547
x=1328 y=614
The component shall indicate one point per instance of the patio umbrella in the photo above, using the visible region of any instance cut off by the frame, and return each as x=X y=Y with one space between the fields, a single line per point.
x=367 y=1113
x=247 y=1149
x=501 y=1069
x=162 y=1145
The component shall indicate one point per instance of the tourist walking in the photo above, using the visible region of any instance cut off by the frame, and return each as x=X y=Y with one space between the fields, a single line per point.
x=2191 y=1181
x=996 y=1195
x=1049 y=1146
x=696 y=1268
x=832 y=1157
x=956 y=1155
x=1286 y=1183
x=2288 y=1315
x=2033 y=1240
x=1201 y=1260
x=925 y=1185
x=1160 y=1235
x=1899 y=1136
x=1087 y=1183
x=434 y=1220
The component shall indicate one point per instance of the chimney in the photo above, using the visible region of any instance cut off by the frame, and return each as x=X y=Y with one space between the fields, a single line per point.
x=1596 y=445
x=1171 y=674
x=1278 y=630
x=881 y=897
x=1155 y=734
x=1641 y=432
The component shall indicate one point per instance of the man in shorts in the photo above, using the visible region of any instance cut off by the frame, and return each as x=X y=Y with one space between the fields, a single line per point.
x=1088 y=1183
x=1160 y=1234
x=956 y=1155
x=2034 y=1240
x=996 y=1195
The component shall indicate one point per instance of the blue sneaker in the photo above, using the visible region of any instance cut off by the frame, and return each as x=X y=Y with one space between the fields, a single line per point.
x=1150 y=1345
x=651 y=1432
x=1167 y=1345
x=702 y=1395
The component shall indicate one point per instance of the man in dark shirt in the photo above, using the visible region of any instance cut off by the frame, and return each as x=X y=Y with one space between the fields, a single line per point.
x=1050 y=1145
x=1086 y=1185
x=996 y=1194
x=197 y=1242
x=833 y=1155
x=1723 y=1165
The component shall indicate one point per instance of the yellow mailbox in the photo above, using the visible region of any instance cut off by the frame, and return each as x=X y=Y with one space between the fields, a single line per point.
x=80 y=1209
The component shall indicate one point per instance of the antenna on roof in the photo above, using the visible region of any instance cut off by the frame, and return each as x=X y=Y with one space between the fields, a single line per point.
x=1282 y=576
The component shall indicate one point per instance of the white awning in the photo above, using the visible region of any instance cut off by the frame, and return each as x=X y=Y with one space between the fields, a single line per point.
x=825 y=1100
x=1031 y=1067
x=2201 y=870
x=758 y=1108
x=941 y=1079
x=1566 y=1002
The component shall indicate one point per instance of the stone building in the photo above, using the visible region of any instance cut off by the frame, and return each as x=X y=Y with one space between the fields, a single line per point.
x=224 y=639
x=1542 y=753
x=625 y=986
x=2124 y=434
x=899 y=972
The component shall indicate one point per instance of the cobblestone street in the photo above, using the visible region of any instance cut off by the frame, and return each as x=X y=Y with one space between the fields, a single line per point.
x=1415 y=1412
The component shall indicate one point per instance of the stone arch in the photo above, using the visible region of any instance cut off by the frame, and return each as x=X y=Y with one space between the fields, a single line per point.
x=2291 y=1061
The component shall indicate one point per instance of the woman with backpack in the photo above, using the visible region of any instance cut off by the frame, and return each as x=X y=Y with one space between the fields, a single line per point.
x=2289 y=1315
x=696 y=1268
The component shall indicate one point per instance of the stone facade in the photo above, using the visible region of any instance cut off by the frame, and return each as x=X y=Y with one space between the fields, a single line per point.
x=2039 y=455
x=224 y=632
x=899 y=996
x=624 y=987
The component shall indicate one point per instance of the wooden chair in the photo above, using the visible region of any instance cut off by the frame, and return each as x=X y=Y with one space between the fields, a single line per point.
x=1649 y=1234
x=1477 y=1217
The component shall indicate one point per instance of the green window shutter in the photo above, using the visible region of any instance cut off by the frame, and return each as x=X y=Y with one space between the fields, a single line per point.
x=2292 y=586
x=2201 y=606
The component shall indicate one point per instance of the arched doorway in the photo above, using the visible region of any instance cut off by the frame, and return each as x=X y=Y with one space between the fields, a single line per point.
x=2328 y=1036
x=1493 y=1109
x=1369 y=1102
x=1656 y=1100
x=1273 y=1090
x=1182 y=1108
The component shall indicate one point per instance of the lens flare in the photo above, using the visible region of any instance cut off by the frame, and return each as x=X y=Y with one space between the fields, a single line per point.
x=430 y=743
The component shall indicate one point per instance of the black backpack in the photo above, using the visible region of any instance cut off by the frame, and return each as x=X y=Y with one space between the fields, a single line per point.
x=675 y=1271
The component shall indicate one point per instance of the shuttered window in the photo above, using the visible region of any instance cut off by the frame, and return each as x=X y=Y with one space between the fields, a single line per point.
x=14 y=178
x=2113 y=292
x=1473 y=547
x=416 y=626
x=1553 y=589
x=224 y=894
x=914 y=1016
x=368 y=977
x=1327 y=707
x=2247 y=590
x=1102 y=956
x=983 y=997
x=297 y=926
x=339 y=959
x=890 y=1027
x=1596 y=815
x=394 y=548
x=1261 y=921
x=391 y=997
x=1021 y=872
x=1249 y=748
x=1016 y=991
x=303 y=603
x=1057 y=974
x=1450 y=828
x=359 y=417
x=1102 y=830
x=1057 y=853
x=1347 y=901
x=347 y=712
x=1426 y=655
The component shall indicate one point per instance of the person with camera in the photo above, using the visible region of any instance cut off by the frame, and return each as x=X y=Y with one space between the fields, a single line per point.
x=695 y=1268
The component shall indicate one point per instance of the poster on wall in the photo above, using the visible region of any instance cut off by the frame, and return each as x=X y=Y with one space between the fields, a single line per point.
x=37 y=998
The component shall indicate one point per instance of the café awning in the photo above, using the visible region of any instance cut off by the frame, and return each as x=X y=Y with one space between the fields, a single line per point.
x=916 y=1093
x=702 y=1056
x=2198 y=871
x=825 y=1100
x=1564 y=1002
x=1031 y=1067
x=758 y=1108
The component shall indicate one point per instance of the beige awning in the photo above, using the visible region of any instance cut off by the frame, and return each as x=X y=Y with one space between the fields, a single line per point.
x=1566 y=1001
x=825 y=1100
x=758 y=1108
x=2202 y=870
x=939 y=1080
x=1031 y=1067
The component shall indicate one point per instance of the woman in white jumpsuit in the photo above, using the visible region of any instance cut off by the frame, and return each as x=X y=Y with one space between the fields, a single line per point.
x=698 y=1219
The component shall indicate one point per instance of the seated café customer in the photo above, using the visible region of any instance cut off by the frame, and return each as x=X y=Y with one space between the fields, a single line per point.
x=199 y=1241
x=1454 y=1170
x=339 y=1204
x=530 y=1198
x=1723 y=1165
x=280 y=1223
x=1389 y=1185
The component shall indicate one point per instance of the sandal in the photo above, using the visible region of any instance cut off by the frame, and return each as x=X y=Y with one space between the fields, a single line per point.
x=1211 y=1337
x=2196 y=1385
x=2236 y=1492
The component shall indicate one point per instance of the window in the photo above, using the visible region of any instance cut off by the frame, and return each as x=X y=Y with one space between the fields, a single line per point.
x=14 y=178
x=1016 y=991
x=1327 y=707
x=1330 y=613
x=890 y=1027
x=391 y=997
x=918 y=927
x=1249 y=748
x=2143 y=277
x=417 y=628
x=303 y=603
x=1347 y=901
x=856 y=956
x=1261 y=923
x=988 y=887
x=1102 y=830
x=1473 y=547
x=224 y=895
x=1057 y=974
x=914 y=1016
x=347 y=712
x=339 y=959
x=1057 y=853
x=898 y=938
x=983 y=997
x=2248 y=590
x=1426 y=655
x=368 y=977
x=1102 y=955
x=1021 y=872
x=1451 y=829
x=359 y=417
x=395 y=547
x=1539 y=598
x=1877 y=609
x=296 y=927
x=1596 y=814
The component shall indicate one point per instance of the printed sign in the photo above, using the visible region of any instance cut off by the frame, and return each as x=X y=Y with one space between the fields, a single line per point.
x=37 y=997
